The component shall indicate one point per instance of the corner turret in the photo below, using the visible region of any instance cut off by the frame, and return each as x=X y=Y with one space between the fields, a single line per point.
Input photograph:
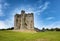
x=22 y=11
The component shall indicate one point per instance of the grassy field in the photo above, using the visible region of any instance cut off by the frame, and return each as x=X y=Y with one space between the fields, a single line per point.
x=23 y=36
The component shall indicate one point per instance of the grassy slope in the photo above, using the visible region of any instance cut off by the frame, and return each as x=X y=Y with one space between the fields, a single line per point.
x=22 y=36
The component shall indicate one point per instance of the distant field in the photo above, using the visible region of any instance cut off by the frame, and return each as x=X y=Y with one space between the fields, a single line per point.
x=23 y=36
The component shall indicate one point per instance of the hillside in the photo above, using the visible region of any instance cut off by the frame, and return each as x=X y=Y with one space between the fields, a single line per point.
x=24 y=36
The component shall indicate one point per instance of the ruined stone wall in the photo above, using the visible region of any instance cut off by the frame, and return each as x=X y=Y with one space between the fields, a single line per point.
x=17 y=21
x=24 y=21
x=29 y=21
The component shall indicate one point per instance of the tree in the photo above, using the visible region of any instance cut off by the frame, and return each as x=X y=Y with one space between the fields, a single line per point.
x=37 y=30
x=57 y=29
x=43 y=29
x=47 y=29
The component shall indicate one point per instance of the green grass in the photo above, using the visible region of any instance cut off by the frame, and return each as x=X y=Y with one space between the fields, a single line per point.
x=23 y=36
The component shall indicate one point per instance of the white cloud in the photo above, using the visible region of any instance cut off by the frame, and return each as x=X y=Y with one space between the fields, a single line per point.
x=6 y=5
x=1 y=13
x=1 y=10
x=41 y=8
x=2 y=7
x=8 y=23
x=45 y=6
x=27 y=10
x=3 y=25
x=49 y=18
x=53 y=25
x=30 y=9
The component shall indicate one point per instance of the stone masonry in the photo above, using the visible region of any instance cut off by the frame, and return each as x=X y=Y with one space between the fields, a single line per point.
x=24 y=21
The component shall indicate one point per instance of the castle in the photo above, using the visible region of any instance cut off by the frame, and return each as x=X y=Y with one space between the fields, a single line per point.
x=24 y=21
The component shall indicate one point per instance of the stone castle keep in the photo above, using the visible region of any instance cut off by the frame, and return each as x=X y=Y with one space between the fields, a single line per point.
x=24 y=21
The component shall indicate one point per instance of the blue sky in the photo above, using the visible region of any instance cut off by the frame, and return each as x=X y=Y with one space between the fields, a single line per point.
x=46 y=12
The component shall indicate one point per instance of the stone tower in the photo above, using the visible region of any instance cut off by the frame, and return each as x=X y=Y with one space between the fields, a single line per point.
x=24 y=21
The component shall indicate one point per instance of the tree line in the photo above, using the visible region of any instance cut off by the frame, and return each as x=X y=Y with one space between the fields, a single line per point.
x=8 y=28
x=37 y=29
x=47 y=29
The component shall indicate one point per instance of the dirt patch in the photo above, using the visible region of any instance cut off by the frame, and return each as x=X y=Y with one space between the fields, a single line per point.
x=44 y=39
x=27 y=31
